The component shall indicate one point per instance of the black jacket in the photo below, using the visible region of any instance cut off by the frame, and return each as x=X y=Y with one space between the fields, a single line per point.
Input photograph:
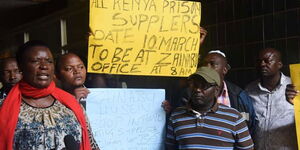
x=242 y=102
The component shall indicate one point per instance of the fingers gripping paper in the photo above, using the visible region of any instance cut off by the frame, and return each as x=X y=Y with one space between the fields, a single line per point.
x=144 y=37
x=127 y=119
x=295 y=76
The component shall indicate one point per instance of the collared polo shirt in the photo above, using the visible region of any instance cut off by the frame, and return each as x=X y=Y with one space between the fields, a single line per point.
x=220 y=128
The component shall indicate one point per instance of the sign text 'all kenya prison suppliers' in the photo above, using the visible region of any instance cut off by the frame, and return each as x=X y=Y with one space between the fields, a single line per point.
x=144 y=37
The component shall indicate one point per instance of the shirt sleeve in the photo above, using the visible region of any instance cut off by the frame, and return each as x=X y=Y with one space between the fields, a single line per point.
x=242 y=137
x=170 y=141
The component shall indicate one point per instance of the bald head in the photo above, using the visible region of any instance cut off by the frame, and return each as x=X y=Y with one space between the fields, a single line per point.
x=10 y=73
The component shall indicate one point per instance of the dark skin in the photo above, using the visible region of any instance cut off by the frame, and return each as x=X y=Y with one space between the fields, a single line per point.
x=218 y=63
x=291 y=93
x=203 y=34
x=72 y=74
x=166 y=104
x=269 y=65
x=38 y=70
x=203 y=95
x=10 y=73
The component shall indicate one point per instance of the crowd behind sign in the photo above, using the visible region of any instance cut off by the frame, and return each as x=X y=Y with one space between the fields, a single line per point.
x=127 y=119
x=144 y=37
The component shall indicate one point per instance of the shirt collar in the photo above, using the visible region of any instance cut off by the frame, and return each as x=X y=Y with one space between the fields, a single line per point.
x=281 y=82
x=224 y=90
x=213 y=109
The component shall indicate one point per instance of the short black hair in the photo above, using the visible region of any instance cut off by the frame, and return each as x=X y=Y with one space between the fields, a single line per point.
x=60 y=58
x=27 y=46
x=276 y=52
x=5 y=60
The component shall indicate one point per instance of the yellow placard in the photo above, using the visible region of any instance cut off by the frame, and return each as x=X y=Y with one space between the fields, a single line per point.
x=144 y=37
x=295 y=76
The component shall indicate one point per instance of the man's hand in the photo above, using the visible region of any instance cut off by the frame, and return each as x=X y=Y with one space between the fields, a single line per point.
x=203 y=34
x=81 y=92
x=291 y=93
x=167 y=106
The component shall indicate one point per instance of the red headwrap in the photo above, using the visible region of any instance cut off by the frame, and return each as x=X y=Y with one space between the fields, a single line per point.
x=10 y=109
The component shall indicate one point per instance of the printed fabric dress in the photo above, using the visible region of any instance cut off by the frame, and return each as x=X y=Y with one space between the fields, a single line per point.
x=45 y=128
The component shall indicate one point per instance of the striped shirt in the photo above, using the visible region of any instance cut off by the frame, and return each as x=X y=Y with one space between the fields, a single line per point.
x=221 y=128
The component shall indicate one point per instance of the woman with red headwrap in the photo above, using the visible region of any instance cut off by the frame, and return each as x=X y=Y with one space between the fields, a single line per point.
x=38 y=115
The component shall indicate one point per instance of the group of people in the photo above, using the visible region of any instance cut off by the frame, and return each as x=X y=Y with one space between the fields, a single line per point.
x=217 y=114
x=214 y=113
x=35 y=114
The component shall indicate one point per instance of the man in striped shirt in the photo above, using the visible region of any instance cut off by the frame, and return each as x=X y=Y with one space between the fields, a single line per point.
x=205 y=124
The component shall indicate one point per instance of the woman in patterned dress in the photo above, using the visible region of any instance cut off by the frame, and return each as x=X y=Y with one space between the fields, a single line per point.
x=36 y=115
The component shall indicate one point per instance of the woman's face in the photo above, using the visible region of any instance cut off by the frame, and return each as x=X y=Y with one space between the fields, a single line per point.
x=38 y=67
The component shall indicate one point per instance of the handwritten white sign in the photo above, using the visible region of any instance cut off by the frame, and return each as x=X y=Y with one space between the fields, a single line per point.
x=127 y=119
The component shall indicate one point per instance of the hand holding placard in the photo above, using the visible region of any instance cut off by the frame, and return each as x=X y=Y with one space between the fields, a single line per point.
x=295 y=76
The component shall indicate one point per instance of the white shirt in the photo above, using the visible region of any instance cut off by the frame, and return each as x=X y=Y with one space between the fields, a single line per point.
x=276 y=124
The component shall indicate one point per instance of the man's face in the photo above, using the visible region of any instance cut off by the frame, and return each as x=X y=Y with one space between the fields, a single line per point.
x=203 y=93
x=11 y=73
x=216 y=62
x=72 y=71
x=268 y=63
